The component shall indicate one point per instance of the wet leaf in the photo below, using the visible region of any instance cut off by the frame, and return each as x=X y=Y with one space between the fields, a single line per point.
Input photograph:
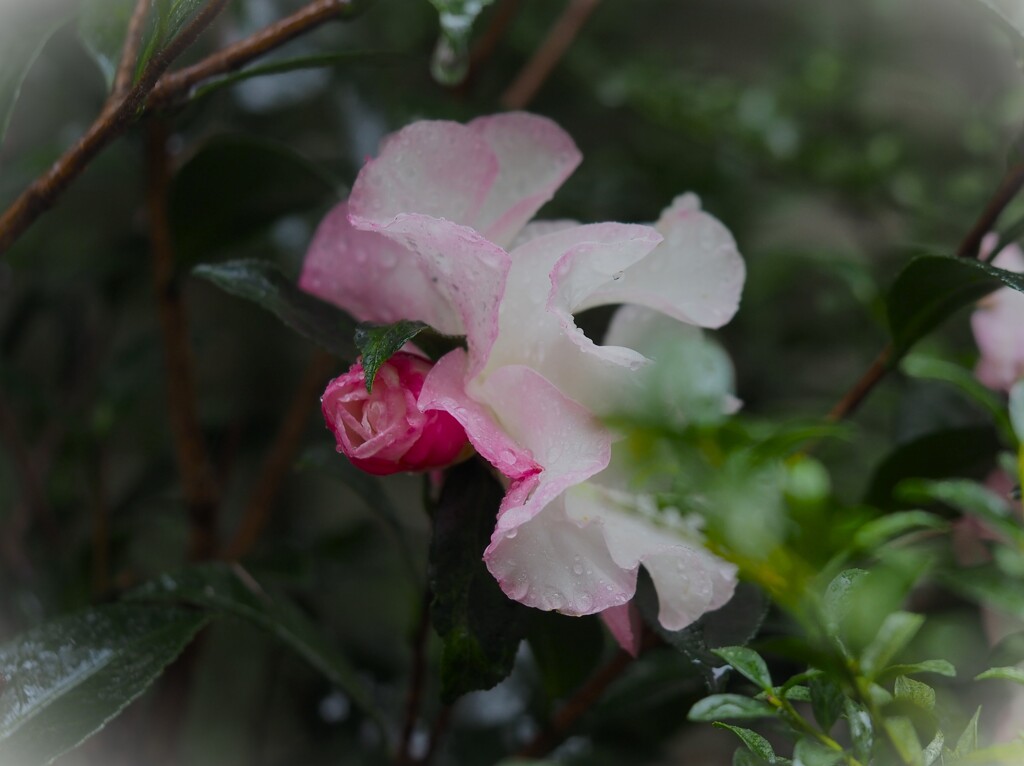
x=735 y=706
x=65 y=679
x=263 y=283
x=755 y=743
x=379 y=342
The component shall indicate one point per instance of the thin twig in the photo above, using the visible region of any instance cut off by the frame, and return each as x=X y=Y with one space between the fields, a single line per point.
x=125 y=74
x=279 y=460
x=969 y=248
x=234 y=56
x=1008 y=188
x=44 y=191
x=416 y=682
x=201 y=493
x=437 y=732
x=574 y=709
x=563 y=32
x=487 y=43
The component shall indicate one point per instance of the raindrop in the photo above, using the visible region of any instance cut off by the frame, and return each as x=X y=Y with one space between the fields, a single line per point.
x=450 y=63
x=577 y=569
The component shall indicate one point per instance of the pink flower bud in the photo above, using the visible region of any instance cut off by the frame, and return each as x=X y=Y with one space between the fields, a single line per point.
x=385 y=432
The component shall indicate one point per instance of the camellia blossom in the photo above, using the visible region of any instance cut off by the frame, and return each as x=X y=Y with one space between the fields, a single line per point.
x=998 y=326
x=385 y=432
x=436 y=229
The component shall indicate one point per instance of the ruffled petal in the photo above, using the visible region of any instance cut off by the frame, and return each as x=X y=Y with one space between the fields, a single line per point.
x=534 y=156
x=444 y=389
x=371 y=277
x=536 y=323
x=564 y=438
x=689 y=580
x=552 y=563
x=436 y=168
x=696 y=275
x=466 y=270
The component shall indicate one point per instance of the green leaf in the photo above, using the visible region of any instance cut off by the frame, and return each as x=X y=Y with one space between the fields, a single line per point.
x=968 y=741
x=939 y=667
x=1007 y=674
x=24 y=30
x=915 y=692
x=826 y=700
x=282 y=66
x=1009 y=12
x=261 y=282
x=931 y=288
x=719 y=706
x=938 y=455
x=933 y=368
x=808 y=752
x=904 y=739
x=480 y=627
x=747 y=662
x=755 y=743
x=103 y=25
x=236 y=187
x=451 y=57
x=895 y=633
x=837 y=602
x=746 y=758
x=1009 y=754
x=229 y=589
x=933 y=751
x=861 y=731
x=968 y=497
x=988 y=585
x=875 y=533
x=379 y=342
x=67 y=678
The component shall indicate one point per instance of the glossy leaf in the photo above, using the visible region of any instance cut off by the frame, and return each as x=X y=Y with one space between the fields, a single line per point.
x=968 y=741
x=480 y=627
x=939 y=667
x=236 y=187
x=65 y=679
x=1014 y=674
x=808 y=752
x=826 y=700
x=915 y=692
x=861 y=731
x=933 y=368
x=379 y=342
x=878 y=532
x=895 y=633
x=229 y=589
x=755 y=743
x=263 y=283
x=102 y=25
x=23 y=33
x=938 y=455
x=931 y=288
x=735 y=706
x=748 y=663
x=837 y=597
x=904 y=739
x=933 y=751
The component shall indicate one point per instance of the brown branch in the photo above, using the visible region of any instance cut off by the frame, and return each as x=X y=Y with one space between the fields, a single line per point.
x=574 y=709
x=130 y=54
x=112 y=122
x=969 y=248
x=537 y=70
x=115 y=120
x=197 y=476
x=416 y=682
x=1008 y=188
x=234 y=56
x=281 y=456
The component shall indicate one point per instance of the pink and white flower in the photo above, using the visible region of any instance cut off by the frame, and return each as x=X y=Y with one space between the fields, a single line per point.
x=998 y=326
x=385 y=432
x=436 y=229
